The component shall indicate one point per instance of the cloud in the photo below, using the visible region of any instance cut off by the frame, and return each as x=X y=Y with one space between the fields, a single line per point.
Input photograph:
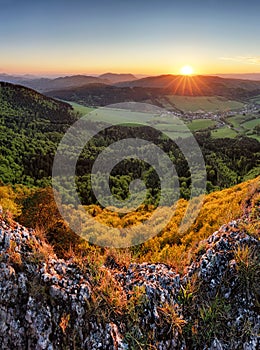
x=243 y=59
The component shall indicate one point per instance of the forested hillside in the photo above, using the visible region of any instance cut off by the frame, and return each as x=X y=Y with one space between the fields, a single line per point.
x=32 y=126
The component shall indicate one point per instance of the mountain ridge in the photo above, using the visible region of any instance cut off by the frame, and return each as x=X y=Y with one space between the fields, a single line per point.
x=117 y=77
x=172 y=85
x=197 y=85
x=45 y=84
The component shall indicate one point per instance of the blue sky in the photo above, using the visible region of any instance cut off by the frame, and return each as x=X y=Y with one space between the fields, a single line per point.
x=149 y=37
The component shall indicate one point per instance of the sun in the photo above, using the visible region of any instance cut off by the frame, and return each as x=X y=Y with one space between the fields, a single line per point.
x=187 y=70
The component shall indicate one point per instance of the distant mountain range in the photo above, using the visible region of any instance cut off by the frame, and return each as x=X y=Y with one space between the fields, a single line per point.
x=116 y=78
x=199 y=84
x=154 y=89
x=69 y=82
x=247 y=76
x=112 y=88
x=46 y=84
x=14 y=78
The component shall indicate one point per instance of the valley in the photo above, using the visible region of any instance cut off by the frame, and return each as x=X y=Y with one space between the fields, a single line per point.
x=223 y=118
x=33 y=124
x=175 y=279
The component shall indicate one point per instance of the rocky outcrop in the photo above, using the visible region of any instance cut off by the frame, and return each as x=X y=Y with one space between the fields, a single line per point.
x=50 y=303
x=229 y=272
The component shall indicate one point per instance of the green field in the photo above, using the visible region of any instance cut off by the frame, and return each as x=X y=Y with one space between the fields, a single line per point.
x=174 y=130
x=111 y=116
x=237 y=120
x=224 y=132
x=167 y=124
x=204 y=103
x=200 y=124
x=239 y=124
x=80 y=108
x=251 y=124
x=123 y=116
x=244 y=124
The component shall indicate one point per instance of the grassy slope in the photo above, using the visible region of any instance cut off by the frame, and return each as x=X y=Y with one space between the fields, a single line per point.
x=83 y=110
x=200 y=124
x=172 y=247
x=224 y=132
x=243 y=124
x=251 y=123
x=236 y=120
x=205 y=103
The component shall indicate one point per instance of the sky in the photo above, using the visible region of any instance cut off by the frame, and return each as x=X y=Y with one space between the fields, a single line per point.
x=137 y=36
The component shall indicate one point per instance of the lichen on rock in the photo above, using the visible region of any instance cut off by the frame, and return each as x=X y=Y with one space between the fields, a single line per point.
x=50 y=303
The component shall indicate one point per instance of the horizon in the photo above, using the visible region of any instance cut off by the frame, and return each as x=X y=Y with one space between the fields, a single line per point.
x=137 y=75
x=63 y=38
